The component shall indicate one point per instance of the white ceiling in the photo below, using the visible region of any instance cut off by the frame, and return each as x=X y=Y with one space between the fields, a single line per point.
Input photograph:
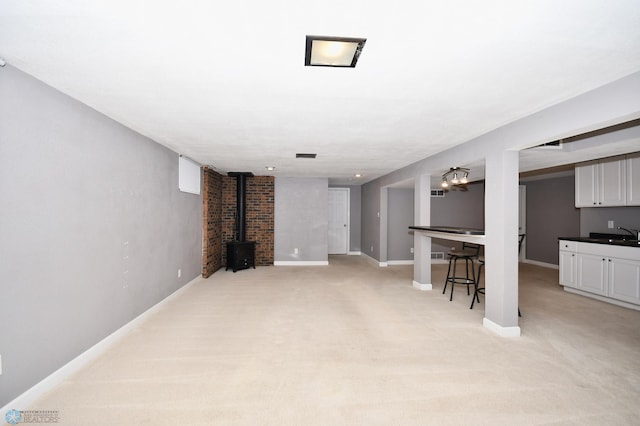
x=225 y=83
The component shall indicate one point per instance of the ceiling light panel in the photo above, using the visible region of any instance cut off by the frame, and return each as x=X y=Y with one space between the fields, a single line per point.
x=326 y=51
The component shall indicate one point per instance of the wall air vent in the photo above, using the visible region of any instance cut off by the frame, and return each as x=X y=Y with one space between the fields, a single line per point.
x=437 y=192
x=437 y=255
x=306 y=155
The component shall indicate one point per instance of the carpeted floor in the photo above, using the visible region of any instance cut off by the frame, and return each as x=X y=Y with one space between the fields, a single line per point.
x=354 y=344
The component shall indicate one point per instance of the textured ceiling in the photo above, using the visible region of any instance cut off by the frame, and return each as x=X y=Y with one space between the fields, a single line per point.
x=225 y=83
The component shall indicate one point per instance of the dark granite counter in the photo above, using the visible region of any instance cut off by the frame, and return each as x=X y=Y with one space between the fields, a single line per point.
x=607 y=241
x=449 y=230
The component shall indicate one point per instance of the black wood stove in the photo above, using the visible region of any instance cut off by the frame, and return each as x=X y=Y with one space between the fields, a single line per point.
x=241 y=254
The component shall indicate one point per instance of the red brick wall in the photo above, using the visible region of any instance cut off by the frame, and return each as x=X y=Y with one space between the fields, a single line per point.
x=212 y=222
x=260 y=215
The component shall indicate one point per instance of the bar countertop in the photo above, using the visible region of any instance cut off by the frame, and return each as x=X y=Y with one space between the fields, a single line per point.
x=450 y=230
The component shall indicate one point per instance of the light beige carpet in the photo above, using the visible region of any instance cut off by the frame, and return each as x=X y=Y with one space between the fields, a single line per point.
x=354 y=344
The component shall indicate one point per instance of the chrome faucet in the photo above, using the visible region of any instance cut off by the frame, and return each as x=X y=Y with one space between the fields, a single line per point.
x=634 y=232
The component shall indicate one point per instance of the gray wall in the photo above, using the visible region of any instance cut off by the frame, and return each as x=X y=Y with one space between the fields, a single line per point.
x=301 y=219
x=355 y=211
x=461 y=206
x=93 y=229
x=400 y=216
x=371 y=220
x=551 y=213
x=595 y=219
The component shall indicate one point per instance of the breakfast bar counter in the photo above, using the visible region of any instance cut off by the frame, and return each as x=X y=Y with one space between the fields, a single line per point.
x=469 y=235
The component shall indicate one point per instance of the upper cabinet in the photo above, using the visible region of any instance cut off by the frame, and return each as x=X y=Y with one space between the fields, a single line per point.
x=603 y=183
x=633 y=179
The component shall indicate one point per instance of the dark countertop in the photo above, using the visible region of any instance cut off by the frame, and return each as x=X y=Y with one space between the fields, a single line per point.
x=450 y=230
x=607 y=241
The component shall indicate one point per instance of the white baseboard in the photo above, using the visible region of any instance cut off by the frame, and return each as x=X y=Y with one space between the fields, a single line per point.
x=374 y=261
x=28 y=397
x=423 y=287
x=301 y=263
x=500 y=330
x=543 y=264
x=354 y=253
x=602 y=298
x=400 y=262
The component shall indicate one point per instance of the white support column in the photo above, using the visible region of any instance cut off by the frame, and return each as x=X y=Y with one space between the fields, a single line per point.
x=501 y=247
x=383 y=217
x=422 y=243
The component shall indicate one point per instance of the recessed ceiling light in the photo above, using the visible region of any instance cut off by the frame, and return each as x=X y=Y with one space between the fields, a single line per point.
x=358 y=175
x=270 y=168
x=325 y=51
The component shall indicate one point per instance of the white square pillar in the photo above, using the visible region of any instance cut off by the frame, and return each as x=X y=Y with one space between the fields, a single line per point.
x=422 y=243
x=501 y=243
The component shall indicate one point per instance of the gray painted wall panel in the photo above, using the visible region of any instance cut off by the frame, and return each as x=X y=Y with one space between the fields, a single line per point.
x=551 y=213
x=400 y=216
x=301 y=219
x=461 y=206
x=371 y=221
x=93 y=229
x=595 y=219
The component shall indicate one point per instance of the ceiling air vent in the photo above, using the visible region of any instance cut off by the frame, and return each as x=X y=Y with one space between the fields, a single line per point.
x=306 y=155
x=550 y=145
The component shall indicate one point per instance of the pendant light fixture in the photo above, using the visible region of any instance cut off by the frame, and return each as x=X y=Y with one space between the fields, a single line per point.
x=454 y=174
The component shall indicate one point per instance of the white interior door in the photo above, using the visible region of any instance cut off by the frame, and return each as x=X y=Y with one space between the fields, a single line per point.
x=338 y=220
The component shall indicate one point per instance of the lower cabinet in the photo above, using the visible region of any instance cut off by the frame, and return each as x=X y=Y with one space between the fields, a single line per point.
x=624 y=279
x=592 y=274
x=568 y=269
x=591 y=268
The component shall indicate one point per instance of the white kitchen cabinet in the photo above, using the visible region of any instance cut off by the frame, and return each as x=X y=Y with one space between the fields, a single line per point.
x=624 y=279
x=633 y=179
x=611 y=272
x=592 y=274
x=568 y=263
x=601 y=183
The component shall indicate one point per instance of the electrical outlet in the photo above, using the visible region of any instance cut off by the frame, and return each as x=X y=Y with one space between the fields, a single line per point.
x=610 y=224
x=179 y=272
x=411 y=249
x=295 y=250
x=371 y=249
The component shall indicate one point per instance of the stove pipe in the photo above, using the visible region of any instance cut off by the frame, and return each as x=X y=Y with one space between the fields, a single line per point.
x=241 y=216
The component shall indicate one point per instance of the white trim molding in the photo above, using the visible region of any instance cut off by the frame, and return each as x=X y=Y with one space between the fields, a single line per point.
x=400 y=262
x=354 y=253
x=500 y=330
x=543 y=264
x=375 y=261
x=602 y=298
x=28 y=397
x=301 y=263
x=423 y=287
